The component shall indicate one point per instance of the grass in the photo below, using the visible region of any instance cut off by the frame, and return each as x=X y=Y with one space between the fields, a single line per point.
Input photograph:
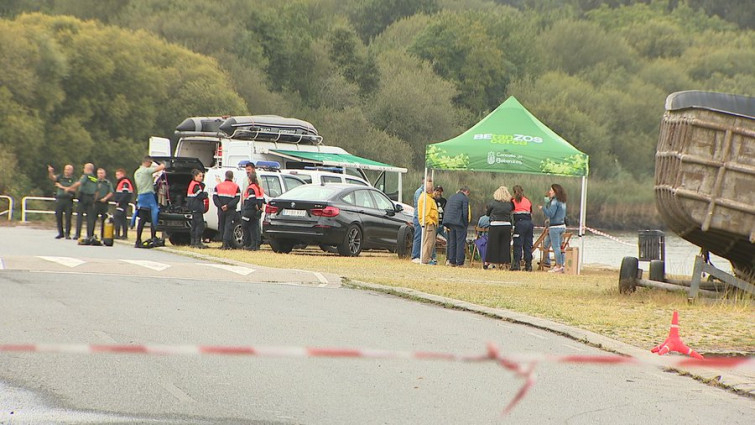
x=589 y=301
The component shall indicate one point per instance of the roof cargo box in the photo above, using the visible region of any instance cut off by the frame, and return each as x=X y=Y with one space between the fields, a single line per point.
x=271 y=128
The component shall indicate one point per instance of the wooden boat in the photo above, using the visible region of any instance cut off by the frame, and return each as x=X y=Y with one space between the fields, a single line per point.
x=705 y=174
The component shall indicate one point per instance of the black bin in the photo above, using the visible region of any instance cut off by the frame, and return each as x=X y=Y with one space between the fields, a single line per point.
x=652 y=245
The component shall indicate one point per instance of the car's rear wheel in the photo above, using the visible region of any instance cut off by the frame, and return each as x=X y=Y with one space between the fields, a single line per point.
x=237 y=238
x=404 y=241
x=352 y=242
x=281 y=246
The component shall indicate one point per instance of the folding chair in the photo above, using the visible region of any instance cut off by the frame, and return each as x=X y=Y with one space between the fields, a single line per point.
x=545 y=251
x=473 y=247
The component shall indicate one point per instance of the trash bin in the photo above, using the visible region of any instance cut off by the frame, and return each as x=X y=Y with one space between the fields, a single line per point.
x=652 y=245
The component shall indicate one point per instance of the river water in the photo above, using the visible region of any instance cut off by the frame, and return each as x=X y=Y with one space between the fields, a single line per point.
x=680 y=254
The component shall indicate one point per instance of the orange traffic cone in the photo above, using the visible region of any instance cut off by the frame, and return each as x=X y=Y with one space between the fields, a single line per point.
x=673 y=342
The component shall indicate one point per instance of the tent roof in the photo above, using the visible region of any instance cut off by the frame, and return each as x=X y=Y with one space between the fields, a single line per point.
x=509 y=140
x=338 y=160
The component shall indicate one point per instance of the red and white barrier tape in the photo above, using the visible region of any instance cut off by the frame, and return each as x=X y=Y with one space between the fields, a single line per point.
x=522 y=366
x=613 y=238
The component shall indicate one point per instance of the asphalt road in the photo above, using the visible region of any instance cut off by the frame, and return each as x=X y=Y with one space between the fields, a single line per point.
x=54 y=291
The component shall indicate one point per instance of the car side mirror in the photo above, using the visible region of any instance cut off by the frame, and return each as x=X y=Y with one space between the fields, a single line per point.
x=398 y=207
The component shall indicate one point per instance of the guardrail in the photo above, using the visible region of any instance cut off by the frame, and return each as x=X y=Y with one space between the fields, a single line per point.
x=9 y=211
x=26 y=210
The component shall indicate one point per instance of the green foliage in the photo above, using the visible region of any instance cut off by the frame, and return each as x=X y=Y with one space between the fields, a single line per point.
x=371 y=17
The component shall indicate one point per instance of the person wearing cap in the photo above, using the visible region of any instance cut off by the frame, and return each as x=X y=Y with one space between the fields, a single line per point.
x=102 y=196
x=428 y=219
x=86 y=186
x=63 y=199
x=146 y=201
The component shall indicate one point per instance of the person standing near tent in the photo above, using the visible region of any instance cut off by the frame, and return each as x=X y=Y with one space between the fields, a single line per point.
x=428 y=219
x=499 y=237
x=555 y=210
x=456 y=218
x=523 y=229
x=417 y=241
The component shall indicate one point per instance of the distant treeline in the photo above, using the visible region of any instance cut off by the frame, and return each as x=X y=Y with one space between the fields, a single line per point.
x=91 y=80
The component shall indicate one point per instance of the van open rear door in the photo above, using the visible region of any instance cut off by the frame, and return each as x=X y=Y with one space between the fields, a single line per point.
x=159 y=146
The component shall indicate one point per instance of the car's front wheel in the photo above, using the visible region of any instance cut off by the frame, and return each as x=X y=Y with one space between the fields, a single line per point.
x=352 y=242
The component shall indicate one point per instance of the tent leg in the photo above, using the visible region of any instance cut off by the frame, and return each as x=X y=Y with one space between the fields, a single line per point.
x=582 y=212
x=400 y=187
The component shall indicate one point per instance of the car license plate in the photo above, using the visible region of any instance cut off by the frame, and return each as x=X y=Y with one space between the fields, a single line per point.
x=295 y=213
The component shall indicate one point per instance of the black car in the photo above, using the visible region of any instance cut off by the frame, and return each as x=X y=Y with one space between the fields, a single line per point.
x=346 y=217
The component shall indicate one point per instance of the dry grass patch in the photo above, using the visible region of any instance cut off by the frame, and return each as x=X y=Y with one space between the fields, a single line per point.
x=590 y=301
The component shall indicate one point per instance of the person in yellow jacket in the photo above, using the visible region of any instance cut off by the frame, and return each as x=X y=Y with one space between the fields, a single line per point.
x=427 y=214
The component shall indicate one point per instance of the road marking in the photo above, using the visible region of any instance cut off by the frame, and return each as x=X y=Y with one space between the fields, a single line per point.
x=177 y=392
x=65 y=261
x=536 y=335
x=243 y=271
x=148 y=264
x=320 y=277
x=573 y=347
x=105 y=337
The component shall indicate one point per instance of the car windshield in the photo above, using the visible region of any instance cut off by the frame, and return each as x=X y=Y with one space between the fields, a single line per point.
x=310 y=192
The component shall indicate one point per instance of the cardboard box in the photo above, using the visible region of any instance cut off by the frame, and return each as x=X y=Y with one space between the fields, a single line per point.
x=571 y=260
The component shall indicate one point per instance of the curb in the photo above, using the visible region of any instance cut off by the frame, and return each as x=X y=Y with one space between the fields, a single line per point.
x=739 y=383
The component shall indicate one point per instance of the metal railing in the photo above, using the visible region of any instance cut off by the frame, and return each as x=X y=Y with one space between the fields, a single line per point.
x=9 y=211
x=26 y=210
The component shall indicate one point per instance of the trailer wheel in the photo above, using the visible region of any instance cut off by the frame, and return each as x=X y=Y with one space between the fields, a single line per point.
x=628 y=275
x=658 y=271
x=404 y=241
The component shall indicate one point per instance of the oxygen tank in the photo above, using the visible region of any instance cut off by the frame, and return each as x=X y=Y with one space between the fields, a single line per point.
x=108 y=230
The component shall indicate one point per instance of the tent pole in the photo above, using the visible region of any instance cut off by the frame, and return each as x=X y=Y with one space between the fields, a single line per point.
x=400 y=187
x=582 y=212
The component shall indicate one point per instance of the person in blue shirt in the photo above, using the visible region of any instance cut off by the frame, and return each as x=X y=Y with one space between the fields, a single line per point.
x=555 y=211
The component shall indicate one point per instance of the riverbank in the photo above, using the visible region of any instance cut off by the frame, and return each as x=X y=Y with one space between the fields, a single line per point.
x=590 y=301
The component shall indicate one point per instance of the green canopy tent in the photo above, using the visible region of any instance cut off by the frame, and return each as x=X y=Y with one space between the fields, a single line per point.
x=511 y=140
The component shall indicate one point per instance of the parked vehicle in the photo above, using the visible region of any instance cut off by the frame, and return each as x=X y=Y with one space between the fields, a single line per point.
x=324 y=176
x=221 y=143
x=174 y=219
x=347 y=217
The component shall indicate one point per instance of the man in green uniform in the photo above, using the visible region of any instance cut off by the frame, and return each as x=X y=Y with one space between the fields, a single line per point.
x=102 y=196
x=63 y=199
x=86 y=185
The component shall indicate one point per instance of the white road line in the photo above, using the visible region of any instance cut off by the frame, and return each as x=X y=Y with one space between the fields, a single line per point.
x=243 y=271
x=536 y=335
x=177 y=392
x=148 y=264
x=573 y=347
x=320 y=277
x=65 y=261
x=105 y=337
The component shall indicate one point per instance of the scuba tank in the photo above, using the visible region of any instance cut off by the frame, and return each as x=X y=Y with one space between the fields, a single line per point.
x=108 y=231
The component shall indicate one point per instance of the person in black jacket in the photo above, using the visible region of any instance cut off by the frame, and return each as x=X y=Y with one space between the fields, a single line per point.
x=499 y=237
x=124 y=193
x=196 y=197
x=456 y=219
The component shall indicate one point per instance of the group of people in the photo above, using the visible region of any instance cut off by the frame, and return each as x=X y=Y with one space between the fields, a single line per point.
x=507 y=217
x=94 y=192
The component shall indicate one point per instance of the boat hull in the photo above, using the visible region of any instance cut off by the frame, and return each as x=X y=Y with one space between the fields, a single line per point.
x=705 y=174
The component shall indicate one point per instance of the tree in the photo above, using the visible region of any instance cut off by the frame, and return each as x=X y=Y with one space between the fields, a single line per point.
x=371 y=17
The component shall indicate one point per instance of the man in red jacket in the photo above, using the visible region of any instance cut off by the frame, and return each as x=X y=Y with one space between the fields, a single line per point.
x=226 y=198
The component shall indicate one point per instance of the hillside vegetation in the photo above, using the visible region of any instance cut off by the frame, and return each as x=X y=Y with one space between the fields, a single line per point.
x=91 y=80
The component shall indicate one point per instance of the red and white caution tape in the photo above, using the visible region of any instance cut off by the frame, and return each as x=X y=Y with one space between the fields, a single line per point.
x=613 y=238
x=522 y=366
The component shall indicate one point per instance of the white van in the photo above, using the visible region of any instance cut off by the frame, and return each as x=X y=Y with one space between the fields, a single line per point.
x=319 y=176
